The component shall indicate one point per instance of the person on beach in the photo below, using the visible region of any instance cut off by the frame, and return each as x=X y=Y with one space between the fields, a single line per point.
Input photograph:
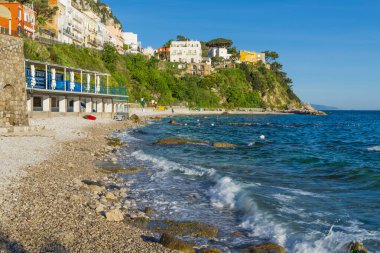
x=172 y=110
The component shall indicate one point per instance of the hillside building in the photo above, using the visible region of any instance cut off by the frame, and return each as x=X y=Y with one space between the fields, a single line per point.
x=17 y=19
x=131 y=40
x=219 y=52
x=163 y=53
x=252 y=57
x=186 y=51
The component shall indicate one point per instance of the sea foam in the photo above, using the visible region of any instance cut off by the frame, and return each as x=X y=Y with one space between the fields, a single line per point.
x=375 y=148
x=166 y=166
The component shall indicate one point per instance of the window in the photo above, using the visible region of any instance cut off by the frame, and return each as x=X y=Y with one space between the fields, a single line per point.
x=19 y=14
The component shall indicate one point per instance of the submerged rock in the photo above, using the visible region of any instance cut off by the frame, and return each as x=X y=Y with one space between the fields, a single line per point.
x=114 y=215
x=223 y=145
x=172 y=242
x=242 y=124
x=185 y=228
x=179 y=141
x=148 y=211
x=265 y=248
x=210 y=250
x=356 y=247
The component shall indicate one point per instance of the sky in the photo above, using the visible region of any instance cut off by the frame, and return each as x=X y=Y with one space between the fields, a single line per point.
x=330 y=48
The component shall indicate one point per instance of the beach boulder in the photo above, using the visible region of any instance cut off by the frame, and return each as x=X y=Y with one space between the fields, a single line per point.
x=265 y=248
x=114 y=215
x=179 y=141
x=223 y=145
x=172 y=242
x=356 y=247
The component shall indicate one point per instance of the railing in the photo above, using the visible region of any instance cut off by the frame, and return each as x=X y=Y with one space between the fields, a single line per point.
x=62 y=85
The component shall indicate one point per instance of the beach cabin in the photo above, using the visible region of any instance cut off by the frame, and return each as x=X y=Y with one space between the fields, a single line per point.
x=56 y=90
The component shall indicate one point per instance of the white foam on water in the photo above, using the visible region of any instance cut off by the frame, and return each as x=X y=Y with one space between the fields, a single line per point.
x=335 y=241
x=228 y=194
x=223 y=194
x=375 y=148
x=283 y=197
x=167 y=166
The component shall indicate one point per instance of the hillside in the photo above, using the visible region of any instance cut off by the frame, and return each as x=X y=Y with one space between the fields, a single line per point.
x=245 y=86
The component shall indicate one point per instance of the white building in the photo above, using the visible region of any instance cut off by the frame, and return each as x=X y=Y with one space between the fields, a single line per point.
x=73 y=25
x=131 y=39
x=219 y=52
x=149 y=51
x=186 y=51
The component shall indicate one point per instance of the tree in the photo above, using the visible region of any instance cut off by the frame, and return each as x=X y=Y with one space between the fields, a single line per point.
x=110 y=56
x=182 y=38
x=271 y=56
x=219 y=42
x=168 y=43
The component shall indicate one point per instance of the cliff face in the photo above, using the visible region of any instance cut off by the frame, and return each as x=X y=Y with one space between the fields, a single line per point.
x=101 y=10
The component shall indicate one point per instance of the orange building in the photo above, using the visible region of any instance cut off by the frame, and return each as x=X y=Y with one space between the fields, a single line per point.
x=22 y=19
x=163 y=53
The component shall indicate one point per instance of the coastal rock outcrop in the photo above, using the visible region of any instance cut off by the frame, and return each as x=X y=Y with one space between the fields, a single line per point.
x=172 y=242
x=179 y=141
x=265 y=248
x=223 y=145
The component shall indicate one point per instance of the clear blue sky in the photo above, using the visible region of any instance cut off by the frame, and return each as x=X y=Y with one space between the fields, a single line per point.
x=330 y=48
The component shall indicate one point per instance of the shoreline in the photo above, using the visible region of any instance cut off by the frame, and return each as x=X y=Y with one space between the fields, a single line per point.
x=51 y=195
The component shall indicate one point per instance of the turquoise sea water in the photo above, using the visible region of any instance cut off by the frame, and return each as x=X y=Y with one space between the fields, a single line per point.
x=312 y=185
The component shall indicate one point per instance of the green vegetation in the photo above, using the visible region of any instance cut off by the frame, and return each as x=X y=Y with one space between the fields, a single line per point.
x=248 y=86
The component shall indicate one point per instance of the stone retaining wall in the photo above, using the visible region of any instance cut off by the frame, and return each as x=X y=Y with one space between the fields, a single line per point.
x=13 y=111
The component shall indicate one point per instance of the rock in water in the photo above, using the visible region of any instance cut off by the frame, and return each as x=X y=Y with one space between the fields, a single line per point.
x=265 y=248
x=178 y=141
x=223 y=145
x=356 y=247
x=114 y=215
x=172 y=242
x=135 y=118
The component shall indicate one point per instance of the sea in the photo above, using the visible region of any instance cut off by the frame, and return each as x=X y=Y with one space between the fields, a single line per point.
x=309 y=183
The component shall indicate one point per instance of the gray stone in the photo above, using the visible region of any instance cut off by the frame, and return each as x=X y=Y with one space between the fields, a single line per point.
x=13 y=111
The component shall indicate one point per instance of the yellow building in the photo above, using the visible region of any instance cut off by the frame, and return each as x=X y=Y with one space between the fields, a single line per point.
x=251 y=57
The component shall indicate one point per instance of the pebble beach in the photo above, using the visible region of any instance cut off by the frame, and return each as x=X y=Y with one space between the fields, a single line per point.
x=45 y=207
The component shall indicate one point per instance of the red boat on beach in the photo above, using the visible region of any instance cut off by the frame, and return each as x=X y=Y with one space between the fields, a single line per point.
x=90 y=117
